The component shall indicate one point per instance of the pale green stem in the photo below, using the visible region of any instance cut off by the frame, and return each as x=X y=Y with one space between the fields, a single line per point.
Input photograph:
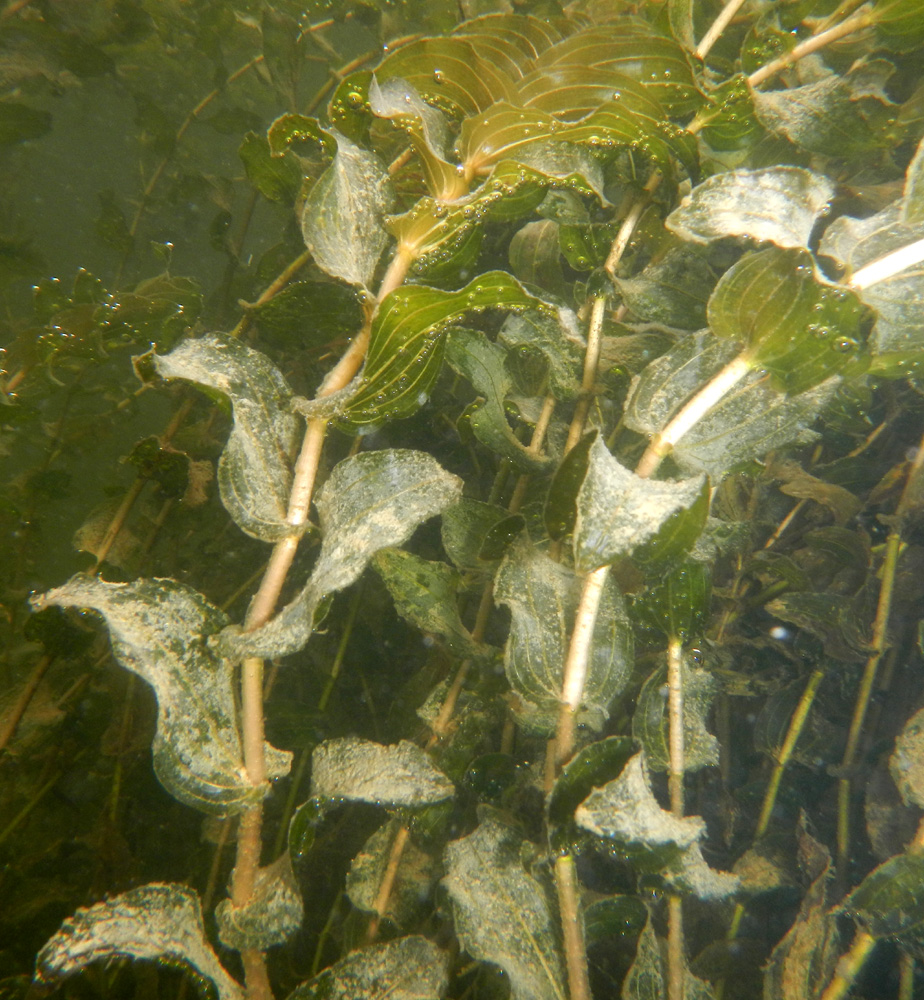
x=717 y=27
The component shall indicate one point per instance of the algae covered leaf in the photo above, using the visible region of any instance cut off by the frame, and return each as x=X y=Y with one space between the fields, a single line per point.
x=160 y=631
x=155 y=921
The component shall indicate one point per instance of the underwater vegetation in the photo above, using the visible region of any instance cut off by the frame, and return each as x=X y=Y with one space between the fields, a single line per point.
x=463 y=499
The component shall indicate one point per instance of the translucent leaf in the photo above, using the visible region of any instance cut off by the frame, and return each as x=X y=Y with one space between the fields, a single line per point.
x=912 y=213
x=672 y=290
x=290 y=128
x=441 y=240
x=416 y=877
x=406 y=344
x=159 y=630
x=542 y=596
x=370 y=502
x=482 y=363
x=900 y=23
x=889 y=902
x=833 y=618
x=779 y=204
x=465 y=528
x=501 y=912
x=844 y=114
x=748 y=422
x=342 y=215
x=357 y=770
x=535 y=256
x=906 y=765
x=308 y=314
x=411 y=968
x=276 y=177
x=646 y=979
x=152 y=922
x=732 y=121
x=897 y=300
x=426 y=128
x=425 y=594
x=677 y=603
x=552 y=337
x=254 y=472
x=617 y=510
x=626 y=811
x=795 y=326
x=634 y=48
x=272 y=915
x=651 y=723
x=592 y=766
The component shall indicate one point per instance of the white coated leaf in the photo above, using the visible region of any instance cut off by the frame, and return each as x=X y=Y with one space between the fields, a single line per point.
x=411 y=968
x=272 y=915
x=646 y=979
x=617 y=510
x=779 y=204
x=254 y=472
x=358 y=770
x=342 y=218
x=626 y=811
x=746 y=423
x=542 y=596
x=160 y=922
x=160 y=630
x=372 y=501
x=501 y=912
x=898 y=300
x=651 y=724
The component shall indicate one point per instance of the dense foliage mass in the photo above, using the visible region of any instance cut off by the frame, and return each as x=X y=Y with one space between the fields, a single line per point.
x=493 y=435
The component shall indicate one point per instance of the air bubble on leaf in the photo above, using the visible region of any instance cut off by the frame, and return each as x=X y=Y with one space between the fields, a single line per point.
x=844 y=344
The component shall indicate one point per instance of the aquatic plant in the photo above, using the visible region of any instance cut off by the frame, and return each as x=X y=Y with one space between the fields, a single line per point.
x=584 y=399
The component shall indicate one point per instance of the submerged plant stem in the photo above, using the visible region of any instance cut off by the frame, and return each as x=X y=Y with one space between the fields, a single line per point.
x=712 y=393
x=717 y=27
x=572 y=923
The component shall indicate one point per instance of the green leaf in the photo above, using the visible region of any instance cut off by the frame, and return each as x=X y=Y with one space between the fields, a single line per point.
x=747 y=423
x=535 y=256
x=592 y=766
x=854 y=243
x=732 y=121
x=889 y=902
x=900 y=23
x=406 y=344
x=465 y=527
x=555 y=339
x=482 y=363
x=617 y=510
x=542 y=596
x=778 y=204
x=672 y=290
x=272 y=915
x=841 y=114
x=342 y=215
x=626 y=812
x=410 y=968
x=501 y=913
x=276 y=177
x=831 y=618
x=678 y=604
x=416 y=877
x=159 y=630
x=290 y=128
x=651 y=724
x=912 y=213
x=355 y=770
x=797 y=328
x=254 y=472
x=370 y=502
x=425 y=594
x=160 y=922
x=308 y=314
